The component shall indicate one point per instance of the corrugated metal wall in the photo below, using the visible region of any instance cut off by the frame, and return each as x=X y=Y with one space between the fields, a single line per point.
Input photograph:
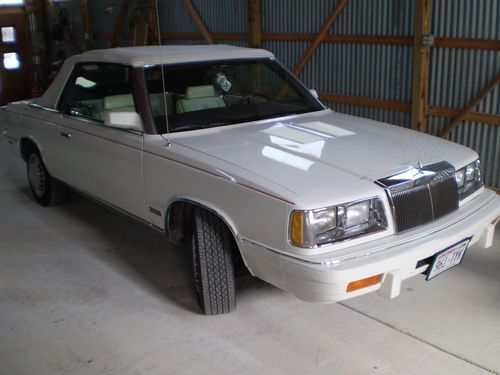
x=458 y=75
x=375 y=71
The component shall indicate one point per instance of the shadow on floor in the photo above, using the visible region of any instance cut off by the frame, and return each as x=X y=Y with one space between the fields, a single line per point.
x=143 y=253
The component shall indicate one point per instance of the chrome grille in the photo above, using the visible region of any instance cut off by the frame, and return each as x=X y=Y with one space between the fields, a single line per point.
x=419 y=196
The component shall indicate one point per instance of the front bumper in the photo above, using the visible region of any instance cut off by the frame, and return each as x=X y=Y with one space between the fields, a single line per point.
x=324 y=278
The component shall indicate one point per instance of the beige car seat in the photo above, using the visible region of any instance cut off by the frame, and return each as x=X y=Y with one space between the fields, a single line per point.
x=199 y=98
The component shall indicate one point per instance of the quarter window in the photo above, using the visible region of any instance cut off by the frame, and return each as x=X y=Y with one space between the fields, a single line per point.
x=95 y=90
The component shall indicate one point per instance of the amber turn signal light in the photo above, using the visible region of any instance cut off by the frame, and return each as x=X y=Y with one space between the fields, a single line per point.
x=364 y=283
x=298 y=228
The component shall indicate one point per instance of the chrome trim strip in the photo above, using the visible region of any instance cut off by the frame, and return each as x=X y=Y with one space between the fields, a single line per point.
x=118 y=210
x=267 y=248
x=38 y=106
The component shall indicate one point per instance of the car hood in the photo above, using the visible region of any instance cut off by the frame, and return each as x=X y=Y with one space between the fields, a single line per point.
x=321 y=153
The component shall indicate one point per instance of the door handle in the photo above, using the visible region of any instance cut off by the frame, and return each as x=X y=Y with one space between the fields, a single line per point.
x=65 y=135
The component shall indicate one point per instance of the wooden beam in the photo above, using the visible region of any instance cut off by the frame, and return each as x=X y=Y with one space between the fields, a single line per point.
x=484 y=118
x=461 y=116
x=365 y=39
x=421 y=57
x=198 y=36
x=140 y=32
x=365 y=102
x=152 y=22
x=198 y=21
x=145 y=30
x=255 y=23
x=319 y=38
x=481 y=44
x=120 y=21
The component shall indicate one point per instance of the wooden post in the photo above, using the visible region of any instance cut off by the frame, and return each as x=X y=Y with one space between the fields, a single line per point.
x=255 y=23
x=199 y=22
x=319 y=38
x=461 y=116
x=87 y=23
x=152 y=23
x=421 y=56
x=146 y=29
x=120 y=21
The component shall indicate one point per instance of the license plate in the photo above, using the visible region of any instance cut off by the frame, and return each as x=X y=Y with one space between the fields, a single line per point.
x=448 y=258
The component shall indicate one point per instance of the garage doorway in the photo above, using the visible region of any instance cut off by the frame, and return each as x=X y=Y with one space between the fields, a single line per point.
x=15 y=63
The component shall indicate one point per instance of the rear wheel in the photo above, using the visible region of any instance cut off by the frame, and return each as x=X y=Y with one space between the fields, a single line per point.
x=213 y=264
x=46 y=190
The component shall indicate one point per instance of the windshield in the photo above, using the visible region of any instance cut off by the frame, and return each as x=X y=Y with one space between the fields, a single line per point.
x=205 y=95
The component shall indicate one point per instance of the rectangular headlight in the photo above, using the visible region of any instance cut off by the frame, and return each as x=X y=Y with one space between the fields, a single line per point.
x=469 y=179
x=357 y=214
x=311 y=228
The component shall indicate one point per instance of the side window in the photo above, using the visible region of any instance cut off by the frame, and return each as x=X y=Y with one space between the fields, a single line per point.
x=94 y=90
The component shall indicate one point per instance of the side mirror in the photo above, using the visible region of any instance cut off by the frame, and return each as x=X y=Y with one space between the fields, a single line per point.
x=126 y=120
x=314 y=93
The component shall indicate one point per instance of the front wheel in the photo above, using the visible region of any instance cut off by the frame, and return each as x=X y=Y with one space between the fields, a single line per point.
x=213 y=264
x=46 y=190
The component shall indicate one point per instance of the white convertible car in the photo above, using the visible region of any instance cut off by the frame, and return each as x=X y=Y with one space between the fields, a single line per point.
x=224 y=147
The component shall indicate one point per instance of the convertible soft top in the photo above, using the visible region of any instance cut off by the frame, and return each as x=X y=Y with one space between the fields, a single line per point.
x=148 y=55
x=152 y=55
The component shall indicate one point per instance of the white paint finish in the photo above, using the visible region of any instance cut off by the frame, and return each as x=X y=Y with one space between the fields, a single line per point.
x=253 y=175
x=173 y=174
x=319 y=283
x=105 y=163
x=105 y=296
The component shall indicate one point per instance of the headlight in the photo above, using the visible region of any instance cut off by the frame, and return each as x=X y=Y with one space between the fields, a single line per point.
x=469 y=179
x=311 y=228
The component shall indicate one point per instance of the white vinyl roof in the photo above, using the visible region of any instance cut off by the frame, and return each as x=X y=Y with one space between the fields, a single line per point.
x=153 y=55
x=149 y=55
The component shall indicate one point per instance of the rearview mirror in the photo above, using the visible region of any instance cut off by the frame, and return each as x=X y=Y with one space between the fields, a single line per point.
x=314 y=93
x=124 y=120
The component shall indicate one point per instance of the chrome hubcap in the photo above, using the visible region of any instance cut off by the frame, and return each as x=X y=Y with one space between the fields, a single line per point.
x=36 y=175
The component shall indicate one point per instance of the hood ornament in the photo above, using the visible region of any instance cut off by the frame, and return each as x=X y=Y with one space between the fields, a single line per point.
x=420 y=166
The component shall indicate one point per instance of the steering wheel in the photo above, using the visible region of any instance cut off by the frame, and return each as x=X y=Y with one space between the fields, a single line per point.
x=249 y=98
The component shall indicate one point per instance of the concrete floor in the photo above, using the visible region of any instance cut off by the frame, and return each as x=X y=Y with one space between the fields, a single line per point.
x=84 y=291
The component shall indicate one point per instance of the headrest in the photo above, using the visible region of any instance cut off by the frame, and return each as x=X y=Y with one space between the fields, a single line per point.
x=118 y=101
x=199 y=91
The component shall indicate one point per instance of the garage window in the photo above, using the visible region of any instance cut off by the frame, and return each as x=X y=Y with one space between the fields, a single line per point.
x=11 y=61
x=9 y=35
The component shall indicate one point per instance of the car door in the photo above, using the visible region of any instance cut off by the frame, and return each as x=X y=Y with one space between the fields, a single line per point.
x=102 y=161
